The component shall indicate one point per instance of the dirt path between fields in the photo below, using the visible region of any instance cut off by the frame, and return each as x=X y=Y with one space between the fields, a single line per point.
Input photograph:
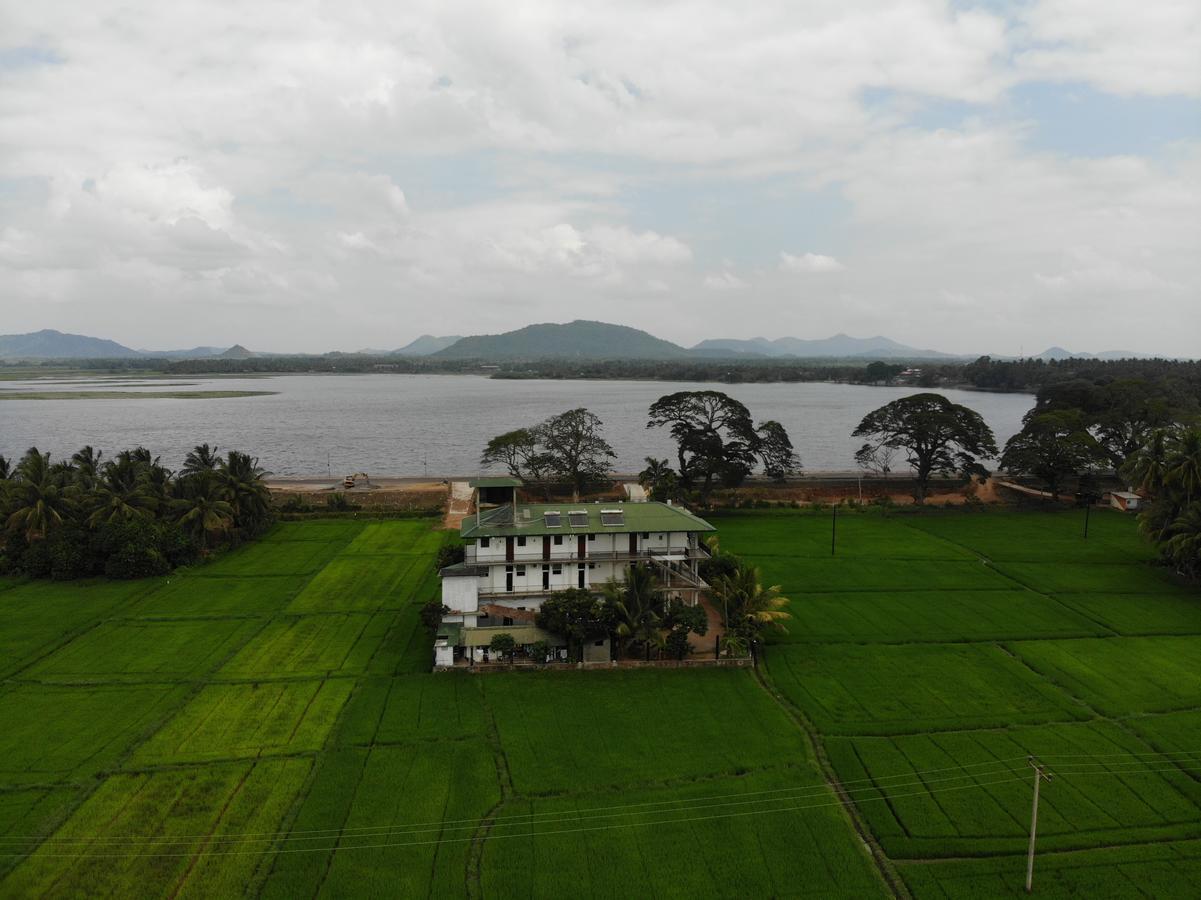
x=458 y=505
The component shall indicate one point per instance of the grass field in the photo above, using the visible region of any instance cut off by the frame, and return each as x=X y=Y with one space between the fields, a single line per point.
x=929 y=694
x=266 y=726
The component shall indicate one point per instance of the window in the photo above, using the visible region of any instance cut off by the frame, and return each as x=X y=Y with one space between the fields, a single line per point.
x=591 y=565
x=521 y=541
x=599 y=643
x=557 y=569
x=508 y=568
x=592 y=537
x=521 y=571
x=646 y=535
x=507 y=620
x=485 y=542
x=558 y=540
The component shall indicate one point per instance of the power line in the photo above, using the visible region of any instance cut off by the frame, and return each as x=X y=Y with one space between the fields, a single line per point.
x=567 y=817
x=523 y=818
x=491 y=837
x=816 y=788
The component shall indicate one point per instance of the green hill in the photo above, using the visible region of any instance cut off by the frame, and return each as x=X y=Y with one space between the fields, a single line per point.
x=579 y=340
x=50 y=344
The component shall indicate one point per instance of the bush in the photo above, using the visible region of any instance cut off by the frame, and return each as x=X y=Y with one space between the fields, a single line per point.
x=69 y=556
x=449 y=555
x=432 y=613
x=133 y=548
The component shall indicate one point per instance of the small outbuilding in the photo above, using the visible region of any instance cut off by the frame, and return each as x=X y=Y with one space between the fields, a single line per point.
x=1126 y=501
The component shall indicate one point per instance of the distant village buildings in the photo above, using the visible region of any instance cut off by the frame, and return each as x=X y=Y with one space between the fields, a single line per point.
x=518 y=554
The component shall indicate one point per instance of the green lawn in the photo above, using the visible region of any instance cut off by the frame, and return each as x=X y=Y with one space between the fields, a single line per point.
x=266 y=726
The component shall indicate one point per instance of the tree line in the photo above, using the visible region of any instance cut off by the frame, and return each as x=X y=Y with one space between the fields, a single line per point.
x=128 y=516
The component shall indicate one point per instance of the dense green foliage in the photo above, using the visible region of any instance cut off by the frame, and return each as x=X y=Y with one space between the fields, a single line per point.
x=1168 y=470
x=936 y=436
x=567 y=449
x=126 y=517
x=716 y=441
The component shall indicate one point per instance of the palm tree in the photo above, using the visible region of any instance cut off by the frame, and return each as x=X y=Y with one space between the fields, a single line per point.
x=203 y=514
x=6 y=469
x=240 y=482
x=200 y=460
x=37 y=497
x=87 y=466
x=1183 y=544
x=638 y=602
x=746 y=605
x=1146 y=468
x=1184 y=463
x=117 y=503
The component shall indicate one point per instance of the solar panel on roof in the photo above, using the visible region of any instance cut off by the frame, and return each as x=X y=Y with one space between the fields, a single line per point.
x=612 y=517
x=553 y=519
x=578 y=518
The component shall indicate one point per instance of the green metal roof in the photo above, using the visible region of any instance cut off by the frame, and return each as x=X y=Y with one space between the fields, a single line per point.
x=496 y=481
x=522 y=634
x=637 y=517
x=452 y=633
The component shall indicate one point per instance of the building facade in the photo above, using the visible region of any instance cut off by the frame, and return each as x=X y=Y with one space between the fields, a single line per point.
x=518 y=554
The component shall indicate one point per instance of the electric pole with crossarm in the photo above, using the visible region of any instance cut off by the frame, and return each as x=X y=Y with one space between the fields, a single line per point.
x=1040 y=774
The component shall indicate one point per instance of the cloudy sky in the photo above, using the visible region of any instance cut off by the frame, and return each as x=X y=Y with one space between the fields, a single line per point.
x=987 y=176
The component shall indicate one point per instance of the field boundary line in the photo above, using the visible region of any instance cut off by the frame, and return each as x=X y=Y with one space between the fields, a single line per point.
x=884 y=866
x=504 y=781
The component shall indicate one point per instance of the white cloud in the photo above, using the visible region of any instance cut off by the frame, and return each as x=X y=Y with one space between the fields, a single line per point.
x=1146 y=48
x=724 y=281
x=809 y=262
x=452 y=166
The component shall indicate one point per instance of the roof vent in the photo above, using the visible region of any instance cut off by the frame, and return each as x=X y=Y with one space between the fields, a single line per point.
x=612 y=517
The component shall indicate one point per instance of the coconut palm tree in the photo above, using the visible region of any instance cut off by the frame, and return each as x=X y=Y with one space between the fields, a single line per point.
x=1147 y=466
x=1183 y=541
x=240 y=483
x=200 y=460
x=638 y=602
x=1184 y=463
x=6 y=469
x=37 y=498
x=87 y=466
x=117 y=503
x=746 y=605
x=203 y=514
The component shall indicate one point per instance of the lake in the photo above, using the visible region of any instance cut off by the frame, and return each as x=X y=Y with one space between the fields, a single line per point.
x=430 y=424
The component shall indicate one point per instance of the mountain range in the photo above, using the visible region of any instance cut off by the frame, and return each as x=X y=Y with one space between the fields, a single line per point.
x=51 y=344
x=580 y=339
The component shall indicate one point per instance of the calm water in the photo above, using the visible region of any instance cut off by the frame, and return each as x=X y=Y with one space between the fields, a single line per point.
x=402 y=424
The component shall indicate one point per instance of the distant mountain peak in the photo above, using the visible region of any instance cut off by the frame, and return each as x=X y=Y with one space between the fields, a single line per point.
x=237 y=351
x=840 y=345
x=578 y=339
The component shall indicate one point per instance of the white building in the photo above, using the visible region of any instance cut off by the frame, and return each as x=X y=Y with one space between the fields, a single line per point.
x=518 y=554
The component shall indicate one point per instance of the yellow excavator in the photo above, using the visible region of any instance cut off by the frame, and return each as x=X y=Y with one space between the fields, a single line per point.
x=349 y=481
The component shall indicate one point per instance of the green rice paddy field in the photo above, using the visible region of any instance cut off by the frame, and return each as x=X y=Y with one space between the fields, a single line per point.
x=266 y=726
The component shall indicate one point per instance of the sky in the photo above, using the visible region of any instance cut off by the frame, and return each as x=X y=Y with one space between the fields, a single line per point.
x=972 y=177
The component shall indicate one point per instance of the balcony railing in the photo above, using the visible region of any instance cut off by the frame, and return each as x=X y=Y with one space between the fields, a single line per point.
x=524 y=556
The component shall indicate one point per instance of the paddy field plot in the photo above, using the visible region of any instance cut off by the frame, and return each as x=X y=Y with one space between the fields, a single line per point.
x=60 y=734
x=896 y=689
x=1163 y=871
x=37 y=616
x=224 y=721
x=1121 y=675
x=204 y=596
x=967 y=793
x=562 y=733
x=318 y=645
x=1139 y=614
x=144 y=650
x=765 y=834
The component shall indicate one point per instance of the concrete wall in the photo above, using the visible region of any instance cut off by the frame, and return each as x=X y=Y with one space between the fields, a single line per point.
x=461 y=592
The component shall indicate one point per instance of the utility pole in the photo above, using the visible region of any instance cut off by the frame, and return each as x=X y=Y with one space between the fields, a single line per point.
x=833 y=528
x=1087 y=508
x=1039 y=774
